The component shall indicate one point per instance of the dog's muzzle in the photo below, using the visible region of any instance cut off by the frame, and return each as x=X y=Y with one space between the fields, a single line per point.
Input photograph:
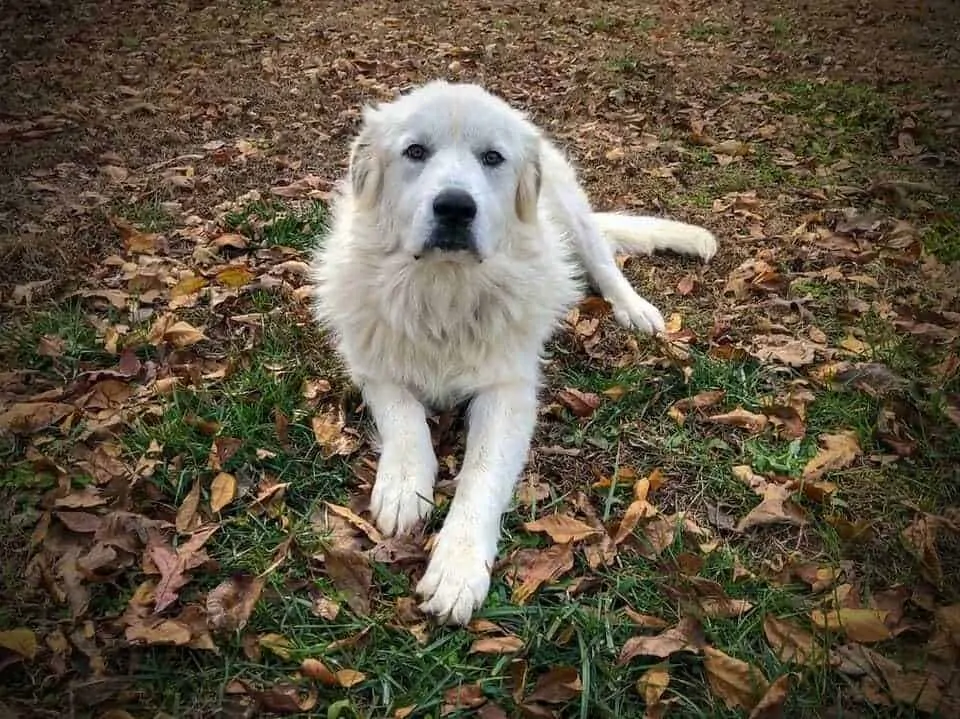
x=453 y=212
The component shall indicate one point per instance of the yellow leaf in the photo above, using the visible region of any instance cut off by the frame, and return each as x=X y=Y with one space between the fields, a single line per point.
x=222 y=491
x=277 y=644
x=737 y=683
x=234 y=276
x=859 y=625
x=837 y=451
x=187 y=286
x=21 y=641
x=675 y=323
x=187 y=513
x=348 y=677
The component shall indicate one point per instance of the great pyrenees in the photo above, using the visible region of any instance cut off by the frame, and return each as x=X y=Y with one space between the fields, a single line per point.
x=455 y=250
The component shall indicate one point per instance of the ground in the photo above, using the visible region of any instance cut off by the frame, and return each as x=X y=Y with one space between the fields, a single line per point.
x=756 y=514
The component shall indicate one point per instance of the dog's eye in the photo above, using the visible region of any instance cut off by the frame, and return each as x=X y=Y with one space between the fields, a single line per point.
x=415 y=152
x=491 y=158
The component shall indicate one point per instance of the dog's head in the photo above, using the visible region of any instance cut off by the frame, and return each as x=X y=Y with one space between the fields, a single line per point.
x=448 y=171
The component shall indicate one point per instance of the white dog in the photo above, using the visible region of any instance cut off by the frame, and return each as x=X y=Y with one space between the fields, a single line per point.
x=454 y=253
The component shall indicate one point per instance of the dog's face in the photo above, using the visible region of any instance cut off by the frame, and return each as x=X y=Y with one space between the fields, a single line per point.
x=448 y=171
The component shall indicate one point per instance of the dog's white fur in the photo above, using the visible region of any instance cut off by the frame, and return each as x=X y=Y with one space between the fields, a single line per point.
x=422 y=329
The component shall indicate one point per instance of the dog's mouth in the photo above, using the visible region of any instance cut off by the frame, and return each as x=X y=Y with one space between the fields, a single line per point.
x=451 y=240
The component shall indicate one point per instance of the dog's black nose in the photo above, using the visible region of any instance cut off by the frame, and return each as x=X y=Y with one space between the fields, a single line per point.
x=454 y=207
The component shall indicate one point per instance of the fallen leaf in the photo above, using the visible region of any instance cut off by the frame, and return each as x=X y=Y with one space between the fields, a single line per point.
x=837 y=452
x=744 y=419
x=187 y=519
x=542 y=567
x=317 y=670
x=373 y=534
x=187 y=286
x=581 y=404
x=325 y=608
x=859 y=625
x=350 y=677
x=738 y=684
x=351 y=574
x=159 y=631
x=328 y=429
x=776 y=507
x=724 y=607
x=173 y=565
x=237 y=242
x=651 y=685
x=464 y=696
x=182 y=334
x=687 y=284
x=920 y=537
x=562 y=528
x=221 y=451
x=222 y=491
x=771 y=703
x=682 y=407
x=235 y=276
x=231 y=602
x=30 y=417
x=558 y=686
x=791 y=643
x=20 y=641
x=496 y=645
x=687 y=636
x=285 y=699
x=276 y=644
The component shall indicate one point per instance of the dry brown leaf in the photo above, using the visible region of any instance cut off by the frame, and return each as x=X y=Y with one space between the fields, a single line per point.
x=276 y=644
x=350 y=677
x=771 y=703
x=581 y=404
x=159 y=631
x=920 y=537
x=738 y=684
x=464 y=696
x=837 y=452
x=647 y=621
x=744 y=419
x=558 y=686
x=237 y=242
x=776 y=507
x=496 y=645
x=351 y=573
x=791 y=643
x=532 y=568
x=328 y=429
x=651 y=685
x=230 y=603
x=317 y=670
x=182 y=334
x=859 y=625
x=682 y=407
x=221 y=451
x=187 y=519
x=724 y=607
x=373 y=534
x=30 y=417
x=687 y=636
x=285 y=699
x=562 y=528
x=222 y=491
x=173 y=565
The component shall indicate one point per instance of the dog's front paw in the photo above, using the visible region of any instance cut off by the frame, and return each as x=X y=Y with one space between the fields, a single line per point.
x=403 y=492
x=458 y=576
x=634 y=312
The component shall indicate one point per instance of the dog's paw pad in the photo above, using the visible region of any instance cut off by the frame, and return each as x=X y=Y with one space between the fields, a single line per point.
x=456 y=582
x=402 y=495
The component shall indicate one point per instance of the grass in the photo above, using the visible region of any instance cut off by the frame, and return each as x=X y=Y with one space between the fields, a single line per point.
x=273 y=224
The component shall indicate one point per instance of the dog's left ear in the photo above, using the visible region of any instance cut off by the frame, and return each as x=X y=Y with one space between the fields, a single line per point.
x=528 y=188
x=366 y=173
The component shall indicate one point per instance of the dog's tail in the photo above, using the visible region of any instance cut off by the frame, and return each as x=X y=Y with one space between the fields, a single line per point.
x=637 y=234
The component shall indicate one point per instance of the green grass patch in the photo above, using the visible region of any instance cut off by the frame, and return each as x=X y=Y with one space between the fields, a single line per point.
x=271 y=223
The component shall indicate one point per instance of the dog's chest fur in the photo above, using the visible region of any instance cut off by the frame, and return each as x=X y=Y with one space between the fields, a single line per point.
x=445 y=329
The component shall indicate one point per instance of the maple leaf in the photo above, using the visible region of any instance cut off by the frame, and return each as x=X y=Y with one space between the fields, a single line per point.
x=328 y=430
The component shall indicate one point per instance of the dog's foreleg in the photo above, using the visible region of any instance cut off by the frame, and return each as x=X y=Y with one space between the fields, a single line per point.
x=501 y=422
x=403 y=491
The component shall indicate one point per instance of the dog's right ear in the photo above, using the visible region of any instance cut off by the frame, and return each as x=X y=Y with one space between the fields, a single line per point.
x=366 y=172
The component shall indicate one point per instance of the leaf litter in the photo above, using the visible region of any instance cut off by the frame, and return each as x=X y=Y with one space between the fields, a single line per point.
x=771 y=306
